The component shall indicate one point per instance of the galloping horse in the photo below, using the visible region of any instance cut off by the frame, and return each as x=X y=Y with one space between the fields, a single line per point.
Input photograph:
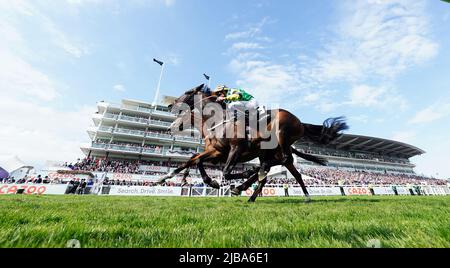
x=285 y=127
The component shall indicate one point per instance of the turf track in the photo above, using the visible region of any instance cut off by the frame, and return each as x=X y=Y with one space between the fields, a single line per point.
x=105 y=221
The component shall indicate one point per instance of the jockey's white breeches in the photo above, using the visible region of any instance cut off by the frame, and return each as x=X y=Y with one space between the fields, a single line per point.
x=242 y=106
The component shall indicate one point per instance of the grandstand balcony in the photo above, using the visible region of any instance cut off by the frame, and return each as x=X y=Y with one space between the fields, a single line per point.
x=129 y=132
x=137 y=108
x=137 y=150
x=109 y=131
x=133 y=121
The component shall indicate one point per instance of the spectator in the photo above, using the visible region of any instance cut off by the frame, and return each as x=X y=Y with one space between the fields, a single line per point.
x=286 y=189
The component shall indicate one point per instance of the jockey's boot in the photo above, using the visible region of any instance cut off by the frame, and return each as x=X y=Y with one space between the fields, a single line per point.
x=248 y=137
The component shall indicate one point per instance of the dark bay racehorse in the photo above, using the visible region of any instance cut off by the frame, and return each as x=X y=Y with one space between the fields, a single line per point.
x=284 y=126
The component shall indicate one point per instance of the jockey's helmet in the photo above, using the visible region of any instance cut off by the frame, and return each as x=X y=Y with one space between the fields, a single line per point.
x=220 y=88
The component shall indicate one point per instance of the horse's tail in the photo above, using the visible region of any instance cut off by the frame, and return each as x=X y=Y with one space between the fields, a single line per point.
x=328 y=132
x=318 y=160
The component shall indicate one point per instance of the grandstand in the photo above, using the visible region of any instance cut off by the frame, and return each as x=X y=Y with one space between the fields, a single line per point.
x=136 y=132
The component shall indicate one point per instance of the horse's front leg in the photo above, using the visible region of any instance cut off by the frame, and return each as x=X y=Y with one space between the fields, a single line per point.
x=188 y=164
x=232 y=160
x=185 y=175
x=206 y=179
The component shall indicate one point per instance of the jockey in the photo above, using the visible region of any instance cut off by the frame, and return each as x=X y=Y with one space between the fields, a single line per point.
x=238 y=101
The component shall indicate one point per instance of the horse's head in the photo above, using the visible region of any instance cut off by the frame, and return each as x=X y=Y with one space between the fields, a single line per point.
x=188 y=97
x=188 y=102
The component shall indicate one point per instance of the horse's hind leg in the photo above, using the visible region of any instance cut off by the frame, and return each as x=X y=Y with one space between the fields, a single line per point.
x=262 y=179
x=299 y=179
x=252 y=177
x=258 y=190
x=285 y=147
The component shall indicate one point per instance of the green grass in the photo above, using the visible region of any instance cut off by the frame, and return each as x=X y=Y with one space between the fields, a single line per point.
x=106 y=221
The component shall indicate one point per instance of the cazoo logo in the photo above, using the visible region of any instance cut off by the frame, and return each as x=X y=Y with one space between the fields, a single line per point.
x=357 y=191
x=265 y=192
x=8 y=189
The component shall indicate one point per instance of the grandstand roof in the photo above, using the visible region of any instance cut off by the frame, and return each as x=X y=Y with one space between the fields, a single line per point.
x=350 y=142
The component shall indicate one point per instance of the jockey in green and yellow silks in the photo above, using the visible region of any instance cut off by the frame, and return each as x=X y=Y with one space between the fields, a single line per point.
x=238 y=100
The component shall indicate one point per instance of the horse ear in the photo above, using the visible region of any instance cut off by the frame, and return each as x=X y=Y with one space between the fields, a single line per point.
x=199 y=88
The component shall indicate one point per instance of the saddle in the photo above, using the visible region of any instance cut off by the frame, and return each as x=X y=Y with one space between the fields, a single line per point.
x=262 y=115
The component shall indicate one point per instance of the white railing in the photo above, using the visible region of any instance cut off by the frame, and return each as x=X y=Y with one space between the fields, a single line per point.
x=150 y=134
x=159 y=136
x=133 y=119
x=188 y=139
x=129 y=131
x=106 y=129
x=153 y=151
x=111 y=116
x=127 y=148
x=160 y=123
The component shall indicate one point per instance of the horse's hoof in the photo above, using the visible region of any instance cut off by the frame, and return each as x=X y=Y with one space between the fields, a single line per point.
x=251 y=201
x=215 y=185
x=308 y=199
x=235 y=192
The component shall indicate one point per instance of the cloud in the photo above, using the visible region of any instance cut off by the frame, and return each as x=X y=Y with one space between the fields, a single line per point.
x=31 y=127
x=365 y=95
x=435 y=161
x=19 y=79
x=360 y=118
x=60 y=39
x=381 y=38
x=370 y=44
x=246 y=46
x=431 y=113
x=252 y=30
x=36 y=132
x=169 y=2
x=404 y=136
x=379 y=97
x=11 y=17
x=115 y=3
x=174 y=59
x=264 y=78
x=119 y=88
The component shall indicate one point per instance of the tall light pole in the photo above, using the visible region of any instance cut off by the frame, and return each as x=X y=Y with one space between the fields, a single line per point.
x=155 y=100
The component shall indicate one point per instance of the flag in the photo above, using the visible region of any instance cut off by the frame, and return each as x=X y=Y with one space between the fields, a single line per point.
x=206 y=76
x=158 y=61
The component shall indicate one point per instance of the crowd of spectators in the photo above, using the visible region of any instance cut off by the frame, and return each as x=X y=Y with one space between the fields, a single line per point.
x=366 y=156
x=147 y=147
x=314 y=176
x=31 y=179
x=105 y=165
x=328 y=176
x=119 y=166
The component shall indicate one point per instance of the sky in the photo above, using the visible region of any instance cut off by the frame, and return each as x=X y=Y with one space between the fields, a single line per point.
x=385 y=65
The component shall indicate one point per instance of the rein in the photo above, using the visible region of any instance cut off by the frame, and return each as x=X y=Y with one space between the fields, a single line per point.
x=203 y=100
